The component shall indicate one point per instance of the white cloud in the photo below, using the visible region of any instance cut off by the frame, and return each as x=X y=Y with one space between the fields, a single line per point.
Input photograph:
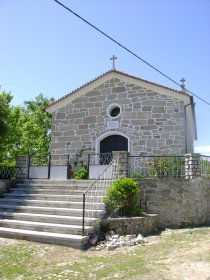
x=204 y=150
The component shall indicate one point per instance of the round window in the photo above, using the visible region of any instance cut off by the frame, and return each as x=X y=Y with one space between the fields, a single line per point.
x=114 y=111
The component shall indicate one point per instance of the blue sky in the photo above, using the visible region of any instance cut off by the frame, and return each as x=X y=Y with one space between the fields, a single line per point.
x=45 y=49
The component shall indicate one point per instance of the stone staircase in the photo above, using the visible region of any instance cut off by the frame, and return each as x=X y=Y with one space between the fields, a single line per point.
x=48 y=211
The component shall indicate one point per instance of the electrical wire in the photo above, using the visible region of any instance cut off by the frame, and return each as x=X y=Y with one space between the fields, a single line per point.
x=128 y=50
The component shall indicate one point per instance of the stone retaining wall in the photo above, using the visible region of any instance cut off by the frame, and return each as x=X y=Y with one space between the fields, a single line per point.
x=134 y=225
x=5 y=185
x=178 y=203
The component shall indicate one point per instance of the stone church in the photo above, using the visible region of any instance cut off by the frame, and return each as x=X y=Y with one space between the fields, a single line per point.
x=118 y=111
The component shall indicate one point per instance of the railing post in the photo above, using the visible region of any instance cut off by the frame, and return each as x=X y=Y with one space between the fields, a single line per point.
x=122 y=164
x=88 y=165
x=22 y=163
x=49 y=166
x=29 y=164
x=83 y=216
x=68 y=167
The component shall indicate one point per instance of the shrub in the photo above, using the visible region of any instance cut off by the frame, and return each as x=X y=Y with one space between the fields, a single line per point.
x=165 y=167
x=121 y=198
x=137 y=175
x=82 y=173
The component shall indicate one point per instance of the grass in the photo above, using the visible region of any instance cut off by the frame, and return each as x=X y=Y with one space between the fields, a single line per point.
x=27 y=260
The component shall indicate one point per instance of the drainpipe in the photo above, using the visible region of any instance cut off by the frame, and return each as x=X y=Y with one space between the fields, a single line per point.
x=182 y=85
x=185 y=120
x=192 y=104
x=193 y=115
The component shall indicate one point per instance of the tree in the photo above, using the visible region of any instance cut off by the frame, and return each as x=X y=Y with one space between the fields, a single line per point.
x=35 y=124
x=28 y=131
x=5 y=99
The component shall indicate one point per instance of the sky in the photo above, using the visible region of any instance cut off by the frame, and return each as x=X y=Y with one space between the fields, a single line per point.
x=45 y=49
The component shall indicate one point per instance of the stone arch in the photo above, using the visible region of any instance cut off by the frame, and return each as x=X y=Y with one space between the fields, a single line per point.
x=113 y=133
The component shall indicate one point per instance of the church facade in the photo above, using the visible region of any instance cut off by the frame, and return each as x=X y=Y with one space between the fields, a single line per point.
x=116 y=112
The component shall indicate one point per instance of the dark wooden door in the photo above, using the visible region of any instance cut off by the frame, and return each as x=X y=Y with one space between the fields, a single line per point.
x=113 y=143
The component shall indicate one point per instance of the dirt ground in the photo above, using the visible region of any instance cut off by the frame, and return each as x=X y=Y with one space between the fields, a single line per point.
x=171 y=254
x=191 y=262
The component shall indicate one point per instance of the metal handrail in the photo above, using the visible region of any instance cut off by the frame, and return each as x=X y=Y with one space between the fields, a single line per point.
x=154 y=156
x=91 y=186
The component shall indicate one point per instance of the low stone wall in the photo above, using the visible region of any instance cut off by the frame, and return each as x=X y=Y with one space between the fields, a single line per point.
x=5 y=185
x=178 y=203
x=134 y=225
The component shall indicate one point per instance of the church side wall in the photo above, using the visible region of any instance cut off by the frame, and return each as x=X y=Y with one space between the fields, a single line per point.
x=154 y=123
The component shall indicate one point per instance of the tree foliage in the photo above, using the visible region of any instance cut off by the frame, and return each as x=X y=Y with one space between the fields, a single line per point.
x=5 y=99
x=28 y=130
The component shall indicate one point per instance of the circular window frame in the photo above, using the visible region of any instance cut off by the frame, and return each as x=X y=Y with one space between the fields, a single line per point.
x=110 y=109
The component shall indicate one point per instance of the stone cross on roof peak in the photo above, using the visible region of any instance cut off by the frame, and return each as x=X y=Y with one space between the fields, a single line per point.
x=113 y=58
x=182 y=85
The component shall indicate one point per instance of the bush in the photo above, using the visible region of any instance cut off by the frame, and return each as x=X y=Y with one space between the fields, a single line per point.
x=165 y=167
x=82 y=173
x=121 y=198
x=137 y=175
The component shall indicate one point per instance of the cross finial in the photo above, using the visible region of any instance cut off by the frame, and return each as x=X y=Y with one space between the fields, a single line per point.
x=113 y=58
x=182 y=83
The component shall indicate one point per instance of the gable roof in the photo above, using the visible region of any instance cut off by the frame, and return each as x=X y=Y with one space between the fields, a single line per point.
x=186 y=98
x=120 y=75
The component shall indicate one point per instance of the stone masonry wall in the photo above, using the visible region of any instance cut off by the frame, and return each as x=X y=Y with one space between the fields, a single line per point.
x=177 y=202
x=22 y=162
x=154 y=123
x=133 y=225
x=5 y=185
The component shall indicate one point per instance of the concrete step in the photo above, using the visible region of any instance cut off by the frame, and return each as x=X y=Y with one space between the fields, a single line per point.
x=51 y=203
x=55 y=183
x=45 y=218
x=75 y=241
x=47 y=227
x=62 y=184
x=54 y=191
x=51 y=187
x=60 y=197
x=50 y=210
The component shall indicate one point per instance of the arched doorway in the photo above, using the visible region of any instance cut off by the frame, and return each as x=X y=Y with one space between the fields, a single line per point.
x=107 y=143
x=113 y=143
